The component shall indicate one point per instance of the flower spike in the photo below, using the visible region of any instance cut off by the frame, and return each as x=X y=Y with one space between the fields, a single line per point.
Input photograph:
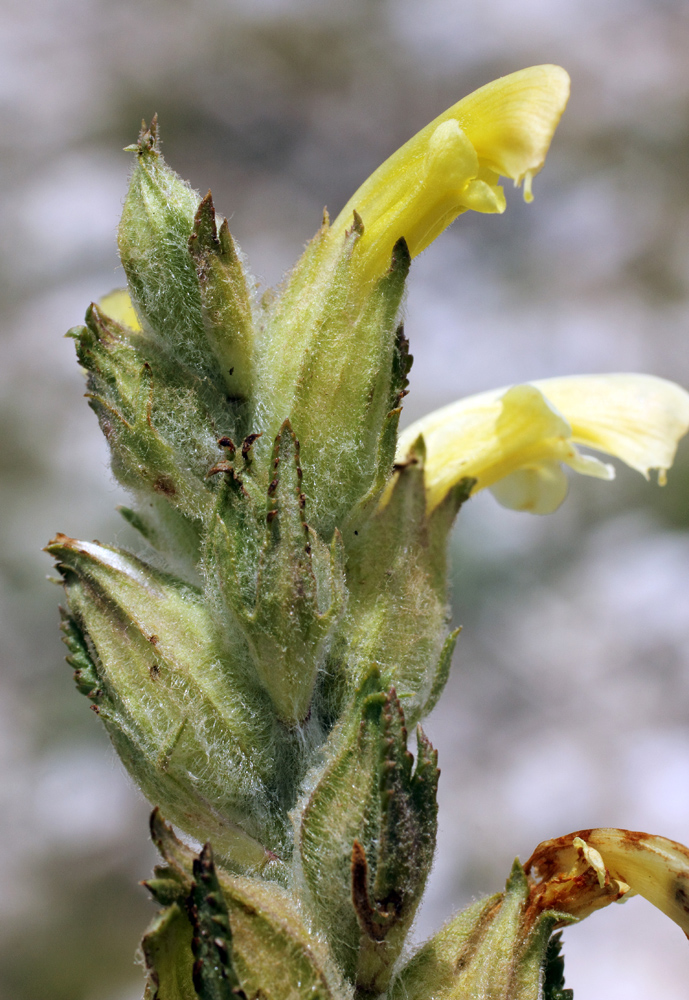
x=258 y=674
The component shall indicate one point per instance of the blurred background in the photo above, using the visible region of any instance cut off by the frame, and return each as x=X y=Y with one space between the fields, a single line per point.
x=568 y=706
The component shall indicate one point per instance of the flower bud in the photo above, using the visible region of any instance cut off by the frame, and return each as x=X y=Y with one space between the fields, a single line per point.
x=161 y=439
x=185 y=279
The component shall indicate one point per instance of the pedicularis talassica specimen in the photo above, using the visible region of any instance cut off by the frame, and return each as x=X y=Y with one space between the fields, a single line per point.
x=259 y=673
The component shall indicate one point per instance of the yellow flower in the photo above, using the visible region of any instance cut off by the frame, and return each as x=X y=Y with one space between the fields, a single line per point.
x=581 y=872
x=454 y=164
x=516 y=440
x=118 y=306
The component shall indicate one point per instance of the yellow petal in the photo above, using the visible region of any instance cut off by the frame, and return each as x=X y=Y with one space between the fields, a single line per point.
x=490 y=437
x=539 y=490
x=118 y=306
x=514 y=440
x=638 y=418
x=653 y=867
x=511 y=121
x=454 y=163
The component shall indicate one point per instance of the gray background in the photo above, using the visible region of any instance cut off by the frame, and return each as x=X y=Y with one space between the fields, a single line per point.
x=568 y=706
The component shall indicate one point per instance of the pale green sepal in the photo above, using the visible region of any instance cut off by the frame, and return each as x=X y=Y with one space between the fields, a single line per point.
x=529 y=976
x=231 y=565
x=157 y=421
x=225 y=300
x=432 y=970
x=397 y=580
x=153 y=237
x=191 y=734
x=289 y=318
x=491 y=971
x=290 y=625
x=387 y=441
x=442 y=672
x=497 y=949
x=342 y=791
x=236 y=535
x=347 y=383
x=329 y=363
x=403 y=853
x=277 y=956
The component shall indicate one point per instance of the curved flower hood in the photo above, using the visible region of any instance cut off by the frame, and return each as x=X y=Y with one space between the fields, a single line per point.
x=455 y=163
